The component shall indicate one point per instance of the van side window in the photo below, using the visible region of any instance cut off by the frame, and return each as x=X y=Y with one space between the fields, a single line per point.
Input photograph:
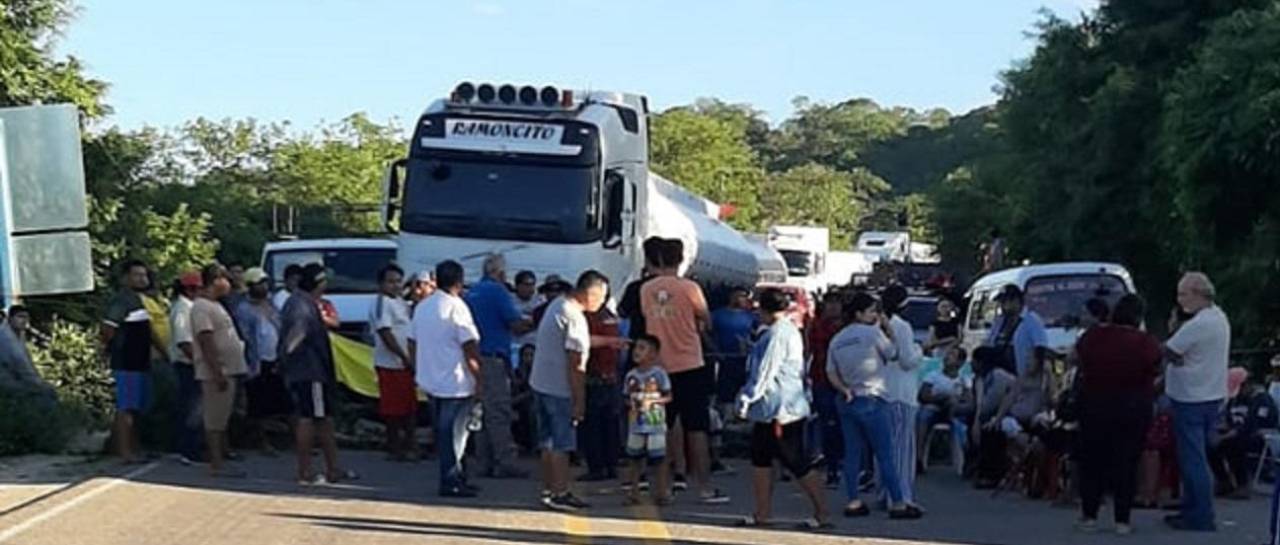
x=982 y=310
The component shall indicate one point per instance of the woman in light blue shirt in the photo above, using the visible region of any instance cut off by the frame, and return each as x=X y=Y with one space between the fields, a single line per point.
x=774 y=400
x=856 y=363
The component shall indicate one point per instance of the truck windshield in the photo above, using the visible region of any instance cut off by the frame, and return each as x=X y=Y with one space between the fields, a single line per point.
x=501 y=200
x=799 y=263
x=1059 y=300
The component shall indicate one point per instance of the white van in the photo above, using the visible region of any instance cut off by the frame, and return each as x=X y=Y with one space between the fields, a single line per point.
x=1056 y=292
x=353 y=265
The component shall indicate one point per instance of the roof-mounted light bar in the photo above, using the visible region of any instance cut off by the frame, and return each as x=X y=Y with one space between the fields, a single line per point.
x=510 y=96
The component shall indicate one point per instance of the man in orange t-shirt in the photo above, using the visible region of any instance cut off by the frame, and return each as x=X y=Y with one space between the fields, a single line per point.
x=675 y=311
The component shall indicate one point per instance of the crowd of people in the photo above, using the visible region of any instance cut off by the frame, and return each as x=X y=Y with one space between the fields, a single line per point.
x=846 y=400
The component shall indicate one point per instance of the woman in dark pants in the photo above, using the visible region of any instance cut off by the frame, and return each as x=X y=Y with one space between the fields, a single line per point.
x=774 y=401
x=1118 y=367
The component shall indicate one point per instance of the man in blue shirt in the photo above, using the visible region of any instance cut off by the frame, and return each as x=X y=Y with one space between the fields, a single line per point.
x=732 y=327
x=1020 y=332
x=498 y=318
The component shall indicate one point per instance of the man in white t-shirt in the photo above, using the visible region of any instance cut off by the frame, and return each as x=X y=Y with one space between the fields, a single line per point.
x=444 y=342
x=1196 y=382
x=397 y=393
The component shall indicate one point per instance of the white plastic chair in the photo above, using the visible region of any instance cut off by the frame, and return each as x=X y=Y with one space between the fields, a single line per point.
x=1270 y=453
x=957 y=447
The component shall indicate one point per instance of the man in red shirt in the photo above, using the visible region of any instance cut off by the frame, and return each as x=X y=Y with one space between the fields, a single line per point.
x=675 y=311
x=826 y=429
x=600 y=434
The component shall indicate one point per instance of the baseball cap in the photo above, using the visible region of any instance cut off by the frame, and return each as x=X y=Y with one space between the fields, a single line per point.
x=191 y=279
x=424 y=276
x=254 y=276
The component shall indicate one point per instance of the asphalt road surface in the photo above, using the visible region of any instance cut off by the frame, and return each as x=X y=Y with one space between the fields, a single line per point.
x=163 y=503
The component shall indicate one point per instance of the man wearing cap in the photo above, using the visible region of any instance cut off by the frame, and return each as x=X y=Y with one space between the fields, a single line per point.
x=1022 y=348
x=498 y=318
x=552 y=288
x=1196 y=382
x=265 y=390
x=306 y=362
x=187 y=425
x=219 y=357
x=420 y=288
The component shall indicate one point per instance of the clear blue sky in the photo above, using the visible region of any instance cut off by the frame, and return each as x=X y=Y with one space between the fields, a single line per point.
x=309 y=61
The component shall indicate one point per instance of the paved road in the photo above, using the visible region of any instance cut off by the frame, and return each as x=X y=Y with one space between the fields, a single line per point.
x=164 y=504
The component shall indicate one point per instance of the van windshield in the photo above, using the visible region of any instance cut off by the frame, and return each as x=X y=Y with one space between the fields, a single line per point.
x=1060 y=300
x=351 y=270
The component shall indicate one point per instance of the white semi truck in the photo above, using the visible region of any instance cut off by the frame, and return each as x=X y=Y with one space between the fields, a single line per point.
x=558 y=182
x=805 y=250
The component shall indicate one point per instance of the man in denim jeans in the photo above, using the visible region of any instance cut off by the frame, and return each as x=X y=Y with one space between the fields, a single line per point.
x=1196 y=381
x=444 y=343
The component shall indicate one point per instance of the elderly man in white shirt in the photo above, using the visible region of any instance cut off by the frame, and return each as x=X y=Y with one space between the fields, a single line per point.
x=443 y=340
x=1196 y=382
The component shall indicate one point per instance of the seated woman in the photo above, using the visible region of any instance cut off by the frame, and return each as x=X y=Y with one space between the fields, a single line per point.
x=940 y=393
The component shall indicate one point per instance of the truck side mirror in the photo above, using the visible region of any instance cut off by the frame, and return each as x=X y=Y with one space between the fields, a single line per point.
x=615 y=185
x=391 y=194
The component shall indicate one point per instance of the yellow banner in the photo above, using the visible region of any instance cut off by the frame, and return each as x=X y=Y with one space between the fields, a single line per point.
x=353 y=363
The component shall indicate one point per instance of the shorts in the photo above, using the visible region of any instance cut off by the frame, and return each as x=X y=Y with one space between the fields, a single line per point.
x=397 y=393
x=554 y=416
x=217 y=405
x=133 y=390
x=651 y=446
x=788 y=449
x=691 y=393
x=312 y=400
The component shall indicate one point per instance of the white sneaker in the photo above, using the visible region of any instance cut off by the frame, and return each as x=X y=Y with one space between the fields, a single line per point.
x=1087 y=526
x=1124 y=530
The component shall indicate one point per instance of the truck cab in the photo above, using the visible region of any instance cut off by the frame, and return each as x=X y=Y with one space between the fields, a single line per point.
x=557 y=181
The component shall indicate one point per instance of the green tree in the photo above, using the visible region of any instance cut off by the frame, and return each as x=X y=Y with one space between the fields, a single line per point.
x=29 y=71
x=709 y=156
x=832 y=135
x=1219 y=143
x=819 y=195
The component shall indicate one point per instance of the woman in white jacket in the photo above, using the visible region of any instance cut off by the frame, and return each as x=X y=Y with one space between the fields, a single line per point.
x=902 y=391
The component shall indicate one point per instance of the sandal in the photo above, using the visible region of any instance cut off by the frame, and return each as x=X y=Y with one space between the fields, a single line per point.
x=750 y=521
x=909 y=512
x=860 y=511
x=814 y=525
x=343 y=475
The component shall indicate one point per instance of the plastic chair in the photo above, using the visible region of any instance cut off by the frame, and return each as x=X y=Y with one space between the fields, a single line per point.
x=1270 y=453
x=956 y=446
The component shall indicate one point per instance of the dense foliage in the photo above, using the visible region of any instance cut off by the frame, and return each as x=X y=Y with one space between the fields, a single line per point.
x=1147 y=133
